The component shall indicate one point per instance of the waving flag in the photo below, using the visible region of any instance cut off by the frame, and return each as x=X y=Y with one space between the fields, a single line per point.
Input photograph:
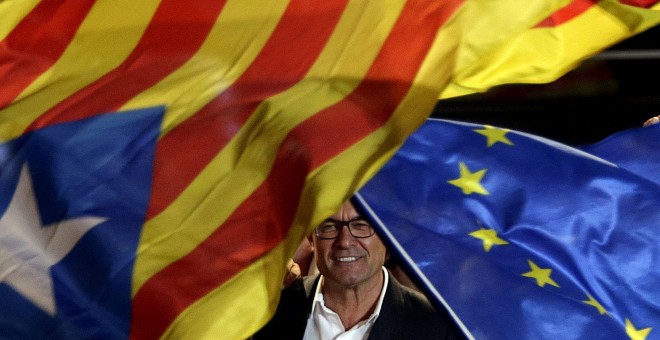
x=524 y=238
x=553 y=46
x=275 y=113
x=72 y=204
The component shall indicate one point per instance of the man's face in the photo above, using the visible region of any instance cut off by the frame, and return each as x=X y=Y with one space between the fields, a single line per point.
x=347 y=260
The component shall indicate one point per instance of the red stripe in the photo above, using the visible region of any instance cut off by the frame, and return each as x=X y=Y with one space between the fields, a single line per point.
x=567 y=13
x=289 y=53
x=577 y=7
x=169 y=41
x=640 y=3
x=36 y=43
x=262 y=221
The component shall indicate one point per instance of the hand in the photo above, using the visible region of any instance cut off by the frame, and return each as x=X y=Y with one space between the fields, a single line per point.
x=652 y=120
x=292 y=273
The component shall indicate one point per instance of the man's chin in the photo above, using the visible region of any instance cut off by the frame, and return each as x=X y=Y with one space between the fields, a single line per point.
x=349 y=280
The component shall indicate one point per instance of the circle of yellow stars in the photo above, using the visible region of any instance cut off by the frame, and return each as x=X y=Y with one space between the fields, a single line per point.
x=470 y=183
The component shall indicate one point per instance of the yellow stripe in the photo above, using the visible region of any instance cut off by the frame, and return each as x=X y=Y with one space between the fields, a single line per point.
x=485 y=24
x=12 y=12
x=635 y=19
x=95 y=50
x=243 y=165
x=238 y=308
x=541 y=55
x=223 y=57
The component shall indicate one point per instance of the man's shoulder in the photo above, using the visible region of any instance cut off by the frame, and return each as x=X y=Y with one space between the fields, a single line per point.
x=410 y=298
x=410 y=314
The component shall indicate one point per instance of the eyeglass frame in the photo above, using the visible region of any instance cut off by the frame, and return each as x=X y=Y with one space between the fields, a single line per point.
x=341 y=225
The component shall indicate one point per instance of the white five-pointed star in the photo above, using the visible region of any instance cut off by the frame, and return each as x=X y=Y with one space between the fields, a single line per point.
x=28 y=249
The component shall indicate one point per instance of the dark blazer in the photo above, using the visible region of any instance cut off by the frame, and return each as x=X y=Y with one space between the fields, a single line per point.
x=405 y=314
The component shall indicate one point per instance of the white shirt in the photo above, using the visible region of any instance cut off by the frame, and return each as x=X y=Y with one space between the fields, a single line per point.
x=324 y=324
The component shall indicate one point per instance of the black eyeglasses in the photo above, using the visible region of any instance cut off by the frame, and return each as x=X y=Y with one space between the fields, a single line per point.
x=330 y=229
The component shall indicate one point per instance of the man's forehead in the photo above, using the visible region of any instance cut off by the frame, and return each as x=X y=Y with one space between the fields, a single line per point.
x=346 y=212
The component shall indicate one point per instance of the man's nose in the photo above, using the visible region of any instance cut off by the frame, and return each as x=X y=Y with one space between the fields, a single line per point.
x=345 y=237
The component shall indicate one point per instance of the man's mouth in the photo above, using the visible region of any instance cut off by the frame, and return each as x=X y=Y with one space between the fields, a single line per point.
x=347 y=259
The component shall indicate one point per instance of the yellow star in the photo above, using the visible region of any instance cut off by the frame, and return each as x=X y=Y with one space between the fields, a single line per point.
x=494 y=135
x=469 y=182
x=593 y=302
x=635 y=334
x=489 y=237
x=541 y=275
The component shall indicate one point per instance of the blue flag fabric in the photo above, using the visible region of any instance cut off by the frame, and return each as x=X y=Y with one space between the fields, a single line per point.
x=636 y=150
x=73 y=198
x=520 y=237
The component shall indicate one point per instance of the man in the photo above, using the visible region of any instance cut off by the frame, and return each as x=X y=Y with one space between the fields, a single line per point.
x=354 y=297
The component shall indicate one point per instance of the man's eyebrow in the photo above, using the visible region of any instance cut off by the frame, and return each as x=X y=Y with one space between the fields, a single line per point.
x=356 y=218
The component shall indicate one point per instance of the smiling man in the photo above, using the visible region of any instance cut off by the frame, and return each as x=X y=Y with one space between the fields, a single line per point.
x=354 y=297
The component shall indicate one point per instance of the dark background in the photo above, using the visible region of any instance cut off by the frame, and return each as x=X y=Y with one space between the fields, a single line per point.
x=609 y=92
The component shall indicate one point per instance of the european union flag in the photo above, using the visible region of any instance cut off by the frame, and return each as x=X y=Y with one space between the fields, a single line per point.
x=72 y=203
x=521 y=237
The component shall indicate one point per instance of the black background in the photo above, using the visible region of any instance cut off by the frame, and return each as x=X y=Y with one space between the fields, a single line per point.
x=607 y=93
